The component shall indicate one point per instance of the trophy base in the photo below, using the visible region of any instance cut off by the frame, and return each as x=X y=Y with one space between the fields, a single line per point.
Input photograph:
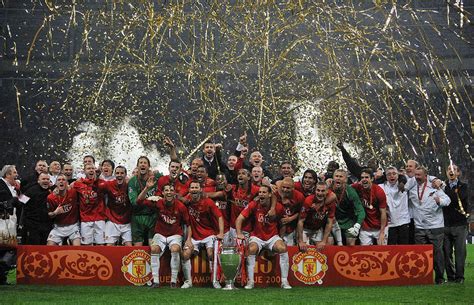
x=229 y=285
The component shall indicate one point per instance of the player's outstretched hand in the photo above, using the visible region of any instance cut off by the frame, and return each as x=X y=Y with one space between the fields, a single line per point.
x=303 y=246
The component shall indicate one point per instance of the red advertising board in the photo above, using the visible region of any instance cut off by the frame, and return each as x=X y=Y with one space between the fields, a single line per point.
x=85 y=265
x=333 y=266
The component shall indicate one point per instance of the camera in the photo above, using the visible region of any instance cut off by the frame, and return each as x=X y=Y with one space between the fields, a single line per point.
x=6 y=206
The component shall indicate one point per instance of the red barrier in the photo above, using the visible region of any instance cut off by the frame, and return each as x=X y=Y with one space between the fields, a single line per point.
x=334 y=266
x=85 y=265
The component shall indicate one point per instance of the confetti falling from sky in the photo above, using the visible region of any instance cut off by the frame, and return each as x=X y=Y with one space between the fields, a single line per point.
x=377 y=74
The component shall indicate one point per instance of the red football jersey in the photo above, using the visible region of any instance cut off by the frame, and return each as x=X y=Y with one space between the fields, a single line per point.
x=264 y=227
x=204 y=216
x=209 y=186
x=119 y=208
x=70 y=204
x=315 y=216
x=224 y=206
x=299 y=188
x=239 y=164
x=170 y=219
x=91 y=201
x=180 y=187
x=373 y=200
x=239 y=201
x=292 y=207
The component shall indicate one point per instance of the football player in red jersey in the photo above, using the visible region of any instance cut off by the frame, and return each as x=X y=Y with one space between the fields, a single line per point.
x=257 y=175
x=264 y=234
x=208 y=185
x=195 y=163
x=172 y=215
x=119 y=209
x=204 y=215
x=307 y=185
x=292 y=201
x=91 y=207
x=242 y=194
x=374 y=200
x=224 y=205
x=177 y=177
x=63 y=207
x=316 y=217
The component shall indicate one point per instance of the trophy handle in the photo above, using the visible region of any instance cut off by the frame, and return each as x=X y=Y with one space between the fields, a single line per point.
x=217 y=251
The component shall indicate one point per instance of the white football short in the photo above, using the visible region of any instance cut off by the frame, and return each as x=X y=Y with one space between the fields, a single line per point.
x=93 y=232
x=265 y=244
x=58 y=233
x=367 y=237
x=208 y=242
x=289 y=238
x=312 y=237
x=163 y=242
x=115 y=231
x=231 y=239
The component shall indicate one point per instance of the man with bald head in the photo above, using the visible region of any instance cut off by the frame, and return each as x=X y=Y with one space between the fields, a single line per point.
x=256 y=159
x=37 y=223
x=54 y=171
x=410 y=167
x=292 y=201
x=40 y=167
x=428 y=203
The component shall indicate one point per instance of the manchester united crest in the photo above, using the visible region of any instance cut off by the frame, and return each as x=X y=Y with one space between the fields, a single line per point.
x=136 y=267
x=309 y=267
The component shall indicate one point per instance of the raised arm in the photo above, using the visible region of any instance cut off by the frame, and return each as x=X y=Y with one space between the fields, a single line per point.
x=351 y=163
x=221 y=166
x=149 y=184
x=172 y=149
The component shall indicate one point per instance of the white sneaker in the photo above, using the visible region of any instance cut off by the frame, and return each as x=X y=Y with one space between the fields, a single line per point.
x=285 y=284
x=249 y=285
x=216 y=285
x=187 y=284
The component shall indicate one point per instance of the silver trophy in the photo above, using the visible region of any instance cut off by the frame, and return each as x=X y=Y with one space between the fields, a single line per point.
x=230 y=263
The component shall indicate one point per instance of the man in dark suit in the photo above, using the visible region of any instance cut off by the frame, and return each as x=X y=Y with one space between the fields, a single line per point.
x=40 y=167
x=455 y=225
x=37 y=223
x=8 y=200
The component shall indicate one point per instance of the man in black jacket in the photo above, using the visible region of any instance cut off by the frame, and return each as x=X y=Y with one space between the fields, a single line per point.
x=455 y=225
x=37 y=223
x=356 y=169
x=40 y=167
x=212 y=159
x=8 y=200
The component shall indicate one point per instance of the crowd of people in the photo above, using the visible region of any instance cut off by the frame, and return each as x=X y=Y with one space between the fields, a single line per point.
x=188 y=209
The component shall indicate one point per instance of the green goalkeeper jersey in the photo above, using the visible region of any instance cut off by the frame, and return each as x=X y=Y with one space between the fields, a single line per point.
x=135 y=186
x=349 y=209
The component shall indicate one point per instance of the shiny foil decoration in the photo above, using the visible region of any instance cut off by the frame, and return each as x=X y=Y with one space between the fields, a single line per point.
x=388 y=77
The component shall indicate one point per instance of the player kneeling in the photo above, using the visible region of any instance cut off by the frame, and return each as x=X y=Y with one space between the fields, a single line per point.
x=264 y=234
